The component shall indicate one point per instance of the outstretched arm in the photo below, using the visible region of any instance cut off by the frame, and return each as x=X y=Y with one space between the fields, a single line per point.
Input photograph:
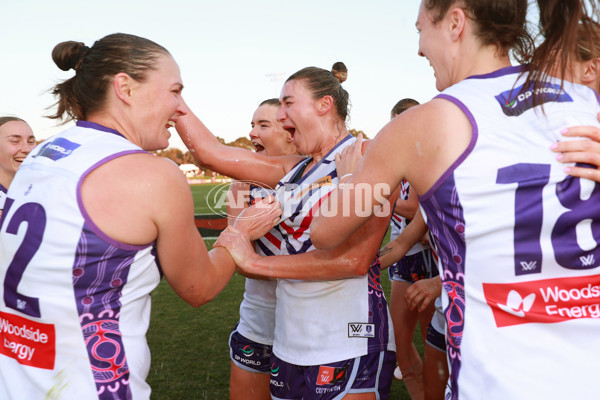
x=413 y=146
x=351 y=258
x=231 y=161
x=195 y=274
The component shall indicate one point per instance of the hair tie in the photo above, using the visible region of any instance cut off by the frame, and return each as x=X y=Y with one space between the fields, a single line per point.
x=83 y=51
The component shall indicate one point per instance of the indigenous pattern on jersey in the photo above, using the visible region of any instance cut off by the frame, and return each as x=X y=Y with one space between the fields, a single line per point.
x=3 y=191
x=82 y=296
x=324 y=321
x=257 y=310
x=517 y=241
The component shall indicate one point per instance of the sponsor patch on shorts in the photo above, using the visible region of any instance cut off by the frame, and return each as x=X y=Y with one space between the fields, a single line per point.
x=361 y=330
x=330 y=375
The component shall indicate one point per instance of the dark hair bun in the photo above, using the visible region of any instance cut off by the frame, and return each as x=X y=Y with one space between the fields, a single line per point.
x=67 y=55
x=340 y=71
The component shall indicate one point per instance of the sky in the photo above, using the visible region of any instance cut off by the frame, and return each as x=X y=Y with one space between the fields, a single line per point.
x=232 y=54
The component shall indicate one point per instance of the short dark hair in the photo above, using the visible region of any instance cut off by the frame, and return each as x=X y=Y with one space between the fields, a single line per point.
x=4 y=120
x=403 y=105
x=271 y=102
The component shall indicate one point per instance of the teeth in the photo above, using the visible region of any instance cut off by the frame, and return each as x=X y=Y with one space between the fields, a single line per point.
x=171 y=123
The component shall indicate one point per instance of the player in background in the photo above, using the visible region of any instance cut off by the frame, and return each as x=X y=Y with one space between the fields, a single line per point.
x=16 y=141
x=415 y=266
x=251 y=342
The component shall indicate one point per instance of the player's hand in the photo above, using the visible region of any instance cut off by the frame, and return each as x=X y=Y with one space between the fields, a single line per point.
x=259 y=219
x=350 y=157
x=580 y=151
x=422 y=293
x=238 y=245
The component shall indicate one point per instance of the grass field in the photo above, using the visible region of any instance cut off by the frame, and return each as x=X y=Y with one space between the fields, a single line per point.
x=190 y=354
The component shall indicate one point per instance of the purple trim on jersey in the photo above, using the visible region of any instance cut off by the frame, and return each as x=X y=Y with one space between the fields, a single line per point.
x=378 y=309
x=85 y=214
x=3 y=189
x=463 y=156
x=98 y=127
x=446 y=223
x=501 y=72
x=100 y=272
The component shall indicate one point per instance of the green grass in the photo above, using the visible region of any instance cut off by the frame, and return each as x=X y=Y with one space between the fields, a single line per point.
x=209 y=197
x=189 y=346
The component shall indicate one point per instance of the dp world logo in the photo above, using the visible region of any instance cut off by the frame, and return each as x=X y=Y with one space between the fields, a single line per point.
x=247 y=350
x=274 y=369
x=236 y=196
x=516 y=101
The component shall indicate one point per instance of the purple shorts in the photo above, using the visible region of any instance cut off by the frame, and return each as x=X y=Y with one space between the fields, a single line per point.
x=249 y=355
x=414 y=267
x=366 y=374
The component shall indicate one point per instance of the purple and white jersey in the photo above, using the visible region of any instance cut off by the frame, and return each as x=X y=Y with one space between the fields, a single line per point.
x=517 y=241
x=257 y=310
x=3 y=191
x=319 y=322
x=398 y=222
x=75 y=303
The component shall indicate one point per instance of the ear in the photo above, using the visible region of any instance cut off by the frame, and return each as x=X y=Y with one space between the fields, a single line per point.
x=591 y=71
x=456 y=22
x=123 y=87
x=324 y=104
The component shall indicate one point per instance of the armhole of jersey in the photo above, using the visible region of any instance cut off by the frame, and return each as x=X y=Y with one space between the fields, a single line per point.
x=463 y=156
x=86 y=216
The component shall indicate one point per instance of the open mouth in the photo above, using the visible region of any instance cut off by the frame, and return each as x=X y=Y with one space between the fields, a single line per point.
x=258 y=147
x=290 y=129
x=170 y=124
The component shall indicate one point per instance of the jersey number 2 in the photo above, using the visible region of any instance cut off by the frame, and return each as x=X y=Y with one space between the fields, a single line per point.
x=35 y=216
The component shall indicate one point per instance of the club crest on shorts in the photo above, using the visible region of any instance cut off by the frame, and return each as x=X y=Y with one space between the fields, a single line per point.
x=361 y=330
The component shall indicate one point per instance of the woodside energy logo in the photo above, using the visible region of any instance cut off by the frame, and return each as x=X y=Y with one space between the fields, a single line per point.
x=544 y=301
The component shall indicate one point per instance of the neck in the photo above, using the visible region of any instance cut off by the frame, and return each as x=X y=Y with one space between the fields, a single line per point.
x=336 y=135
x=110 y=121
x=483 y=61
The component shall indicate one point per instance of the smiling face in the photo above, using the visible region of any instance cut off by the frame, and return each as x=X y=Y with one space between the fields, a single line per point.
x=298 y=113
x=267 y=134
x=156 y=104
x=433 y=45
x=16 y=141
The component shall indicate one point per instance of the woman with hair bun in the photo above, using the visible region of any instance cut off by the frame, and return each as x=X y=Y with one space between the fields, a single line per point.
x=333 y=333
x=16 y=141
x=87 y=220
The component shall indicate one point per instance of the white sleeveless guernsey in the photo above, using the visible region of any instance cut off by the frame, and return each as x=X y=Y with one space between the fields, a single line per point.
x=257 y=311
x=398 y=222
x=318 y=322
x=518 y=246
x=74 y=303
